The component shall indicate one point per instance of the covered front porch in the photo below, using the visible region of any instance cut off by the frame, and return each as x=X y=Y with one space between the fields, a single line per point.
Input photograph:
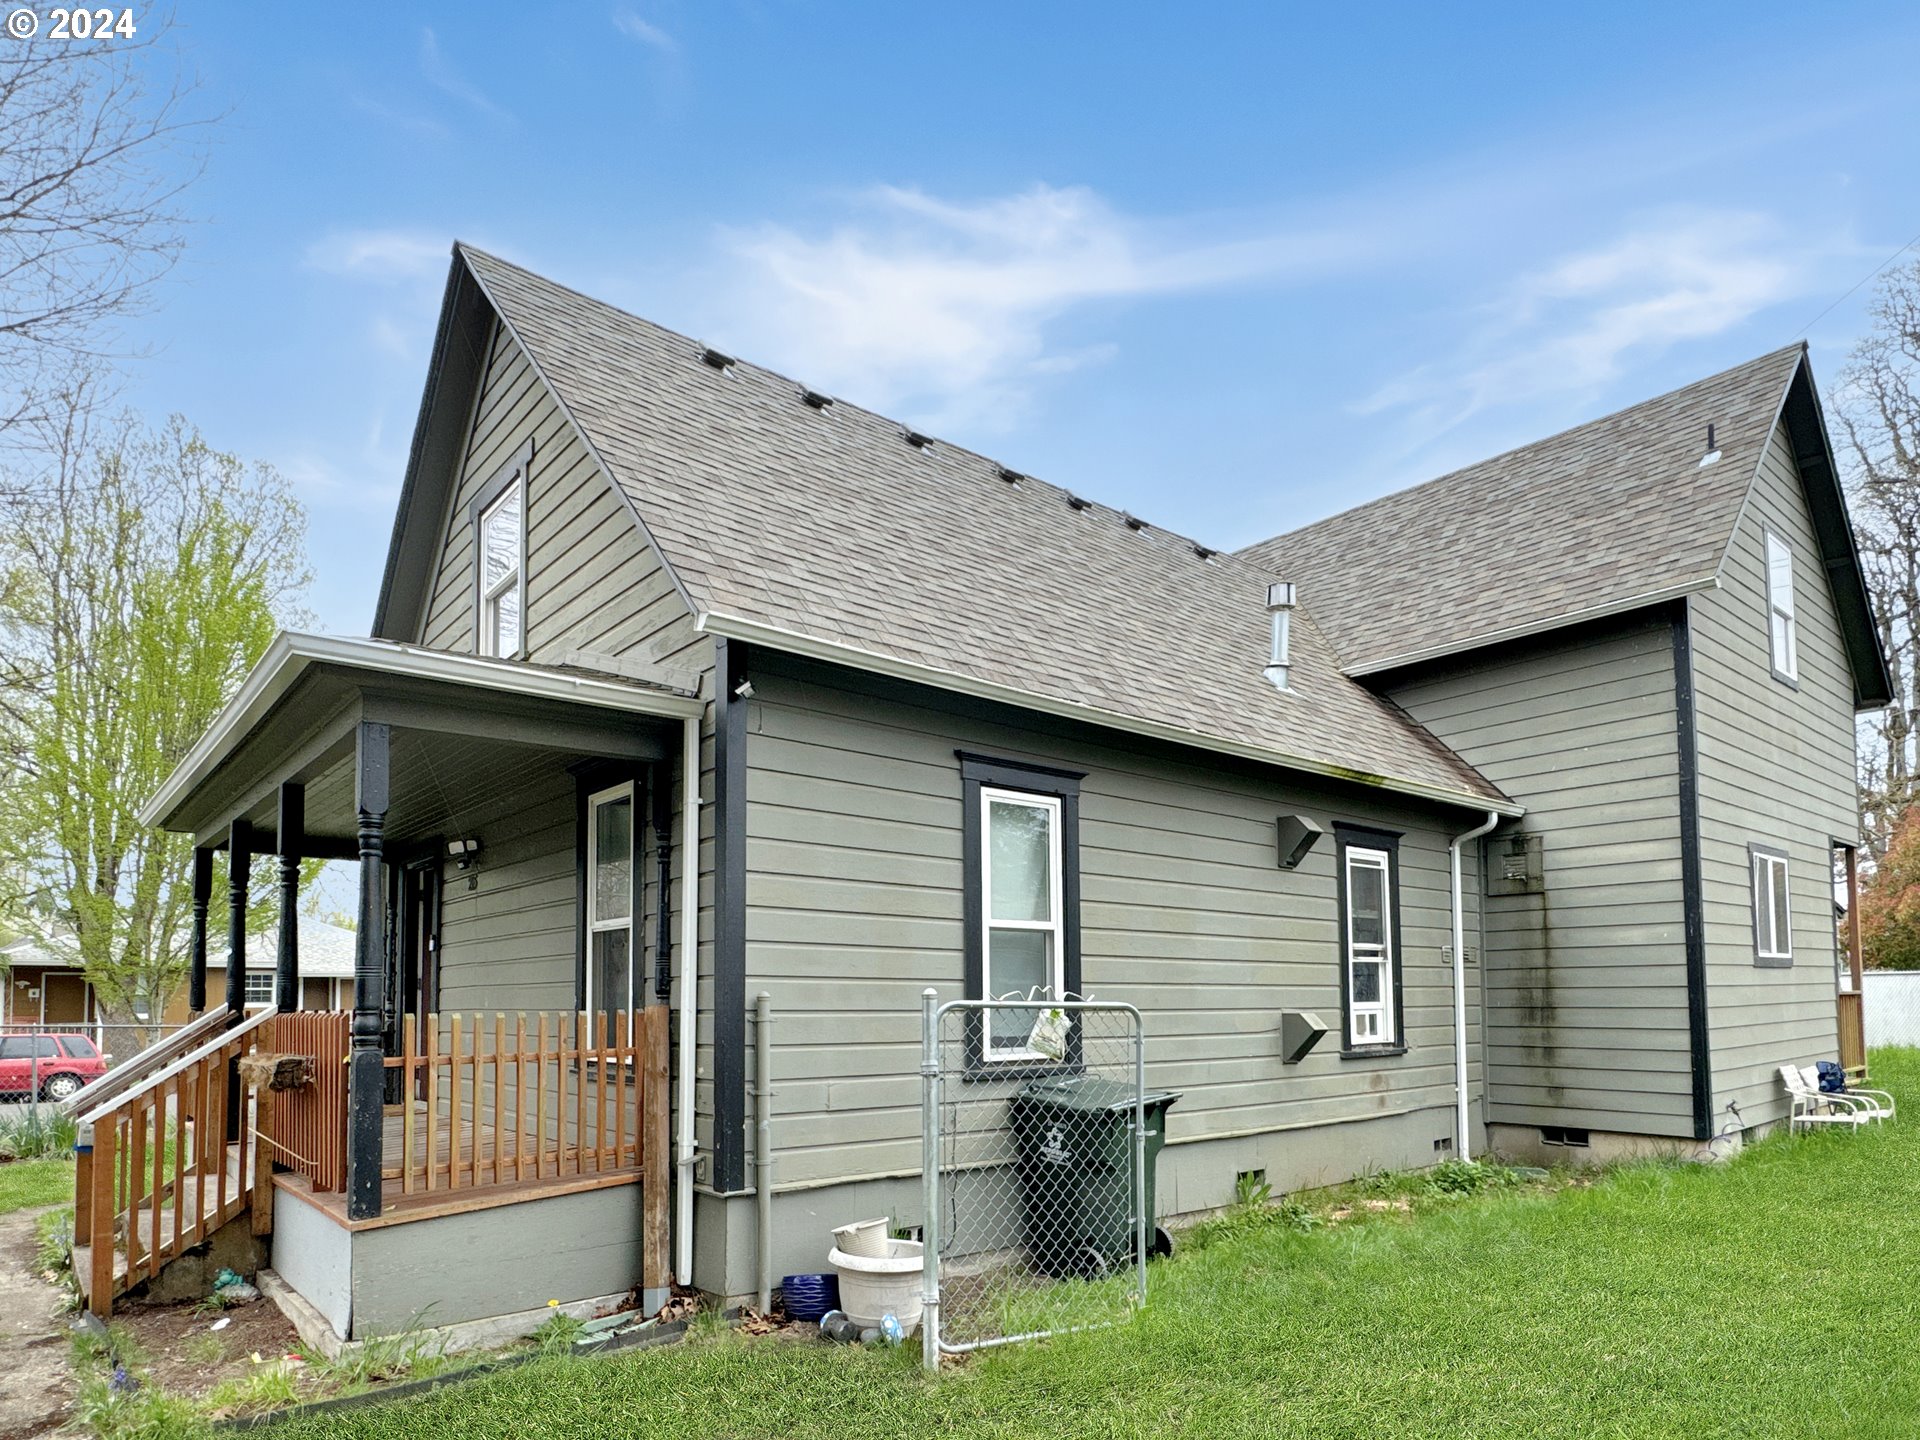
x=502 y=1080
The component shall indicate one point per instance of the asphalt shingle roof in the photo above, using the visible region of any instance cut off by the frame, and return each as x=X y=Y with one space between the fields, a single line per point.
x=829 y=524
x=1587 y=521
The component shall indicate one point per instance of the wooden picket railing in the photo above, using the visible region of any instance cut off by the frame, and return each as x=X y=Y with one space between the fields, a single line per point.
x=504 y=1099
x=161 y=1174
x=306 y=1128
x=1853 y=1034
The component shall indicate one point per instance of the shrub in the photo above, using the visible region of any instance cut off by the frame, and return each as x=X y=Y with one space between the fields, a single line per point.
x=40 y=1134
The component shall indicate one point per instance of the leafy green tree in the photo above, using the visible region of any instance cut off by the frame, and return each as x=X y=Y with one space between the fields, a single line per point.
x=1890 y=902
x=141 y=574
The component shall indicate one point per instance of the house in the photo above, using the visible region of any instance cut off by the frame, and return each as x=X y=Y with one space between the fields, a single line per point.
x=324 y=965
x=628 y=570
x=43 y=988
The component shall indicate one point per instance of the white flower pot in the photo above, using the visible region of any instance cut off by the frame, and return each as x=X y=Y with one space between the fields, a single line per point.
x=872 y=1286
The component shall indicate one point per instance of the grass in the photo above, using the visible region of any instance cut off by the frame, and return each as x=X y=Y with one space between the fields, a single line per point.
x=1765 y=1297
x=27 y=1184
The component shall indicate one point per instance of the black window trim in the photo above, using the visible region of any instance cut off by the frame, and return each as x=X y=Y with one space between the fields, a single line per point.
x=998 y=773
x=591 y=778
x=1369 y=837
x=1773 y=852
x=517 y=468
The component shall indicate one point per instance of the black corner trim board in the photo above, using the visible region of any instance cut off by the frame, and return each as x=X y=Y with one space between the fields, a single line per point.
x=1064 y=785
x=1345 y=833
x=729 y=1171
x=1691 y=892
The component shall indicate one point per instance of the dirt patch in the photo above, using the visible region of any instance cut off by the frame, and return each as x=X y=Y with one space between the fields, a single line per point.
x=184 y=1354
x=36 y=1385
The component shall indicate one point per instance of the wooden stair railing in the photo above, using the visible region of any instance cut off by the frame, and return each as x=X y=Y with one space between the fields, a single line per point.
x=129 y=1074
x=156 y=1172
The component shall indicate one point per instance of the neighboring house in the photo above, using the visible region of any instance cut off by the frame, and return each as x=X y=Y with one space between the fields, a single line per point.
x=41 y=988
x=325 y=970
x=624 y=562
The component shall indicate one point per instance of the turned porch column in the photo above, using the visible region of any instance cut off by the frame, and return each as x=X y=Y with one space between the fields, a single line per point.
x=197 y=945
x=366 y=1075
x=292 y=840
x=239 y=862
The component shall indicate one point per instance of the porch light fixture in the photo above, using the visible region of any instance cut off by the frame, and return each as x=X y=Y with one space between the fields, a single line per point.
x=1713 y=451
x=463 y=852
x=1280 y=601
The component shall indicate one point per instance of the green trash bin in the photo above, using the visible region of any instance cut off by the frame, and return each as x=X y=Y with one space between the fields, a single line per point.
x=1074 y=1134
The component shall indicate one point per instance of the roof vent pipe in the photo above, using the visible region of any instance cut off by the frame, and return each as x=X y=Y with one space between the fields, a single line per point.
x=1713 y=450
x=1280 y=602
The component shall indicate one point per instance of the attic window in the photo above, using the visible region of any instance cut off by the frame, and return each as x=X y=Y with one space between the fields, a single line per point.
x=500 y=542
x=1783 y=629
x=715 y=358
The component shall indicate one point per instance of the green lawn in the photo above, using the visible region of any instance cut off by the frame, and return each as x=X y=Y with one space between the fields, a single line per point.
x=28 y=1183
x=1773 y=1296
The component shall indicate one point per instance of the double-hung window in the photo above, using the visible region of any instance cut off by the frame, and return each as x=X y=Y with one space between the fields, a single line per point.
x=1783 y=633
x=1370 y=938
x=259 y=987
x=1772 y=912
x=500 y=543
x=1022 y=901
x=609 y=877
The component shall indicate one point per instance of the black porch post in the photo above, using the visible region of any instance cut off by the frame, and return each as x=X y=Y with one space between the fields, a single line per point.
x=366 y=1077
x=197 y=947
x=292 y=825
x=239 y=862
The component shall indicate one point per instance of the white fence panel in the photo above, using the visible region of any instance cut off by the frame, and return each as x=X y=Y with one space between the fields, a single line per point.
x=1892 y=1004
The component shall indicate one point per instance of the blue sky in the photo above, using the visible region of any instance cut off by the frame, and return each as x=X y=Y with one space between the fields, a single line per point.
x=1230 y=268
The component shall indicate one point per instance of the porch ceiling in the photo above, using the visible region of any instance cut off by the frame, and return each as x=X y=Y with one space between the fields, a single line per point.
x=465 y=732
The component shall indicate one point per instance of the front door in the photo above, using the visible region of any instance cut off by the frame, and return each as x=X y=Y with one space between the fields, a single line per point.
x=420 y=946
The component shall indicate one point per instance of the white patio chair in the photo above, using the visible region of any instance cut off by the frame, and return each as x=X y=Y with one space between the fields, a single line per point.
x=1877 y=1103
x=1811 y=1108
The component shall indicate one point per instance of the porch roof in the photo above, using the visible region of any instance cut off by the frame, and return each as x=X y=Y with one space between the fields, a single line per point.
x=295 y=719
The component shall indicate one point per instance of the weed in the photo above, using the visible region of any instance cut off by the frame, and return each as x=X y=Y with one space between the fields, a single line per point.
x=406 y=1354
x=43 y=1133
x=557 y=1333
x=269 y=1386
x=1456 y=1178
x=1251 y=1188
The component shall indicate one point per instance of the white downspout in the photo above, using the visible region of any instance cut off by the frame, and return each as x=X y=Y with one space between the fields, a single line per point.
x=685 y=1045
x=1460 y=1146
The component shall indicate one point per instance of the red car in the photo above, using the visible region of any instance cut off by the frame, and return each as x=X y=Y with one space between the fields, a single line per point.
x=64 y=1063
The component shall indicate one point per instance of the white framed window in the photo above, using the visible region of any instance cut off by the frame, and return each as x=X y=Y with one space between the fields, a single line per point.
x=259 y=987
x=1783 y=631
x=610 y=979
x=1368 y=942
x=501 y=536
x=1023 y=944
x=1772 y=909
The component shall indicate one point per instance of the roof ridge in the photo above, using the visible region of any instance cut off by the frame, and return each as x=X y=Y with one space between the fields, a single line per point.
x=1213 y=551
x=1798 y=347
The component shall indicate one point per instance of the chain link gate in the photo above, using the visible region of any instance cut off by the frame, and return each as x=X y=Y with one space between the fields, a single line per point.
x=1033 y=1167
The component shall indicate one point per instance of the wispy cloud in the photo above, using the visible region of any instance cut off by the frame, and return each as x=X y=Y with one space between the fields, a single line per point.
x=630 y=24
x=442 y=75
x=380 y=255
x=1575 y=324
x=947 y=306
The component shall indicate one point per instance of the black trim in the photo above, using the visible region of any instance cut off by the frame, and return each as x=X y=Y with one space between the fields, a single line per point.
x=1692 y=893
x=1035 y=779
x=1369 y=837
x=661 y=795
x=729 y=1171
x=1833 y=530
x=1772 y=852
x=517 y=468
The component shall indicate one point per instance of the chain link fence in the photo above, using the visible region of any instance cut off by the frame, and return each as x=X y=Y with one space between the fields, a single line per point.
x=1035 y=1155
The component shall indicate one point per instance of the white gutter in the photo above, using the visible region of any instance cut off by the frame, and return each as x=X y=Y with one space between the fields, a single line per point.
x=292 y=654
x=793 y=642
x=685 y=1045
x=1461 y=1147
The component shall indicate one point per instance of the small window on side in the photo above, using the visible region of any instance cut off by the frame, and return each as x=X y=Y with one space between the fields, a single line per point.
x=1369 y=939
x=1783 y=633
x=500 y=572
x=609 y=878
x=1772 y=909
x=259 y=987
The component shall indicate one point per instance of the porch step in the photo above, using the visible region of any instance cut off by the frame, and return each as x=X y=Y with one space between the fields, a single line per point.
x=201 y=1193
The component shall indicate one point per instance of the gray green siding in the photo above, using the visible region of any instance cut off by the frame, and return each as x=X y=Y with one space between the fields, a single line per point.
x=1586 y=986
x=1776 y=769
x=855 y=880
